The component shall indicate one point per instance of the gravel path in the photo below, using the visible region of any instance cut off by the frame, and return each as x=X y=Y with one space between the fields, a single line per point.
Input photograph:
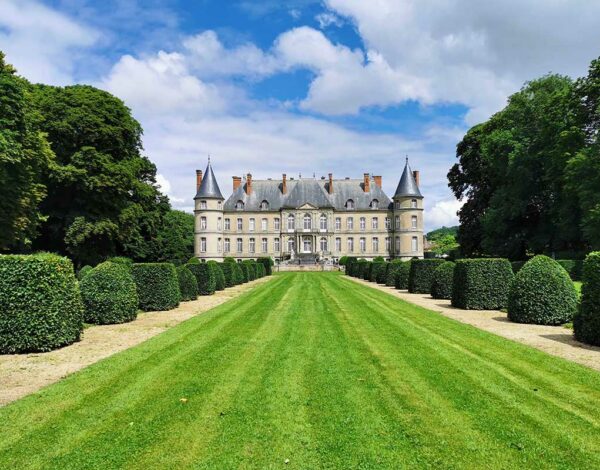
x=22 y=374
x=555 y=340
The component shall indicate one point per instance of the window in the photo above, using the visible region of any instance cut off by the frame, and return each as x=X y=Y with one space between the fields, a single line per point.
x=363 y=223
x=202 y=204
x=349 y=204
x=350 y=245
x=239 y=224
x=291 y=244
x=220 y=205
x=307 y=244
x=398 y=205
x=375 y=223
x=387 y=223
x=227 y=246
x=388 y=244
x=307 y=222
x=264 y=206
x=397 y=223
x=413 y=203
x=323 y=222
x=362 y=244
x=264 y=225
x=350 y=223
x=240 y=245
x=397 y=247
x=375 y=245
x=374 y=204
x=415 y=244
x=251 y=224
x=227 y=224
x=338 y=223
x=202 y=223
x=338 y=244
x=277 y=246
x=219 y=245
x=413 y=220
x=252 y=245
x=239 y=206
x=264 y=245
x=276 y=223
x=323 y=244
x=291 y=222
x=219 y=223
x=203 y=245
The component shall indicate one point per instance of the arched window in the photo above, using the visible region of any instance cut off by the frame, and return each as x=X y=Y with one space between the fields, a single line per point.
x=349 y=204
x=323 y=244
x=264 y=206
x=291 y=222
x=239 y=205
x=323 y=222
x=307 y=222
x=291 y=244
x=374 y=204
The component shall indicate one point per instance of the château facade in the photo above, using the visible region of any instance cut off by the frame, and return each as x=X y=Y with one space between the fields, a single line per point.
x=308 y=218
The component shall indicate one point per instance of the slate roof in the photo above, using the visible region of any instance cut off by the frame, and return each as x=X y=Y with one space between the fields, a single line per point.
x=308 y=191
x=209 y=189
x=407 y=185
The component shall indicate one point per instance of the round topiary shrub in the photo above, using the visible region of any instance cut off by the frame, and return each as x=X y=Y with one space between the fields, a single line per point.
x=443 y=278
x=193 y=260
x=586 y=323
x=229 y=273
x=109 y=294
x=218 y=274
x=157 y=286
x=205 y=277
x=542 y=293
x=420 y=277
x=40 y=303
x=239 y=274
x=378 y=272
x=367 y=270
x=188 y=286
x=251 y=271
x=84 y=271
x=260 y=270
x=402 y=274
x=267 y=263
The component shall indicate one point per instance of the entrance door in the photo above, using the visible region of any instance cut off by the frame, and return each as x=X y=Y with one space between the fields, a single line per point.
x=307 y=244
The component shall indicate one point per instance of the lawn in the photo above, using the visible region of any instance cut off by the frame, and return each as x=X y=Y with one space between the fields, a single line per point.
x=318 y=371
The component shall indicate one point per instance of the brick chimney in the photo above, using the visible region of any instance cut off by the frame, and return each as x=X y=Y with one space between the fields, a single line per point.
x=237 y=180
x=416 y=177
x=377 y=181
x=248 y=184
x=330 y=187
x=367 y=183
x=284 y=184
x=198 y=179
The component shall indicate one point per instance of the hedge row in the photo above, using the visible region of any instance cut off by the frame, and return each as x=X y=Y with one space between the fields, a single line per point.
x=157 y=286
x=586 y=323
x=421 y=275
x=187 y=284
x=443 y=279
x=482 y=284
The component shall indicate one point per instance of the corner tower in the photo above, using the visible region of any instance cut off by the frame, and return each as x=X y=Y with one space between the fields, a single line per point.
x=408 y=216
x=208 y=213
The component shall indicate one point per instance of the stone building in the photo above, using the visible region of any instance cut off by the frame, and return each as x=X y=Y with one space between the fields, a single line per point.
x=308 y=218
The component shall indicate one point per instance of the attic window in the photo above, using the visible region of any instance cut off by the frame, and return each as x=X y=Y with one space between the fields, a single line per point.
x=264 y=206
x=374 y=204
x=239 y=205
x=349 y=204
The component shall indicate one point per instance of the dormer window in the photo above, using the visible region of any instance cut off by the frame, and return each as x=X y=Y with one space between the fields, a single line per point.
x=374 y=204
x=264 y=206
x=239 y=206
x=349 y=204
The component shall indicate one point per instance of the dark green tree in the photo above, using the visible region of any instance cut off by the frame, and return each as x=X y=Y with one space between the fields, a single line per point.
x=175 y=238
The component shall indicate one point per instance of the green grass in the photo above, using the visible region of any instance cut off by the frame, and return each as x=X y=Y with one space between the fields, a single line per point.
x=578 y=286
x=317 y=369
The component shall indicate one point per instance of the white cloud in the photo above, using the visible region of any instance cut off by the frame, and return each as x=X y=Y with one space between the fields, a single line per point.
x=442 y=213
x=327 y=19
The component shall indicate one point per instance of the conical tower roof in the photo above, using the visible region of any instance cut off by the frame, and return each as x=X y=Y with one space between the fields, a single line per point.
x=407 y=187
x=209 y=189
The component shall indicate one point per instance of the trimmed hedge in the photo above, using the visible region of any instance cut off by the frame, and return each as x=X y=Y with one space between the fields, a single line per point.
x=251 y=271
x=84 y=272
x=40 y=303
x=188 y=286
x=390 y=272
x=378 y=269
x=260 y=270
x=109 y=294
x=229 y=273
x=205 y=277
x=420 y=277
x=443 y=281
x=127 y=262
x=193 y=260
x=482 y=284
x=367 y=270
x=157 y=285
x=586 y=323
x=219 y=276
x=239 y=274
x=517 y=265
x=542 y=293
x=267 y=263
x=573 y=266
x=402 y=274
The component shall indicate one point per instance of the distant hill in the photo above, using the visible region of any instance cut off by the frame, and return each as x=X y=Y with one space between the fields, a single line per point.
x=442 y=232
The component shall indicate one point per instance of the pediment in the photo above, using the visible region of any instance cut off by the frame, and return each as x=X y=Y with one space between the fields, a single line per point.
x=307 y=205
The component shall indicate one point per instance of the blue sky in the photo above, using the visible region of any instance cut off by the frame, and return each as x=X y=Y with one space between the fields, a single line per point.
x=302 y=86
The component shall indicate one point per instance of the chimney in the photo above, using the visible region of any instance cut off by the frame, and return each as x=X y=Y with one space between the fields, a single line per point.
x=237 y=180
x=416 y=177
x=284 y=184
x=198 y=179
x=367 y=183
x=377 y=181
x=248 y=184
x=330 y=187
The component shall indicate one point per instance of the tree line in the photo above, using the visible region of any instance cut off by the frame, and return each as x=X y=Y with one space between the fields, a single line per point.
x=74 y=180
x=530 y=175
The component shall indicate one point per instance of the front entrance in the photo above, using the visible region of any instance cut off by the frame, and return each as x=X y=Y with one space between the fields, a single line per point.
x=306 y=244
